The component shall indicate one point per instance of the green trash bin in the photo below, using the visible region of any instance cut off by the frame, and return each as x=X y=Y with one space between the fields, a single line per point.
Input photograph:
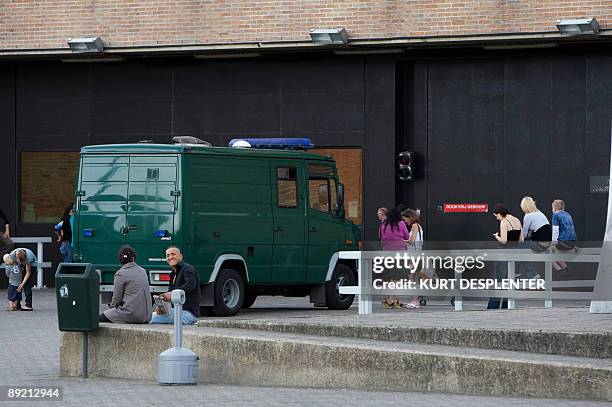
x=76 y=290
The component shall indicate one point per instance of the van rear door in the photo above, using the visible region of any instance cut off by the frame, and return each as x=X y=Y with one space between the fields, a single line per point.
x=152 y=200
x=101 y=210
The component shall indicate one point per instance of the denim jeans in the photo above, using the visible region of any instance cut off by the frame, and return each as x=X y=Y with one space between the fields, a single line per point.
x=186 y=316
x=500 y=272
x=27 y=291
x=66 y=251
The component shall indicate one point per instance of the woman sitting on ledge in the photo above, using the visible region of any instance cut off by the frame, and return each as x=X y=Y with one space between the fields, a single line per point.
x=131 y=303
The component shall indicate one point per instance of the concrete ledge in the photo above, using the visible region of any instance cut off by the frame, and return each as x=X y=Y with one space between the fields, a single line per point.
x=586 y=344
x=270 y=359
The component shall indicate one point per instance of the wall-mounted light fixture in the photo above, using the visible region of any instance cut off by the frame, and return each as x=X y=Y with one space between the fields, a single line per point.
x=327 y=36
x=86 y=44
x=578 y=26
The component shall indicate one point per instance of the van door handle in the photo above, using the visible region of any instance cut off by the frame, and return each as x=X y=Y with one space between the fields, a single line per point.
x=134 y=227
x=278 y=229
x=312 y=229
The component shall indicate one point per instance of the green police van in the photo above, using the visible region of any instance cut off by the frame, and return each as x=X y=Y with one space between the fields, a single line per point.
x=252 y=221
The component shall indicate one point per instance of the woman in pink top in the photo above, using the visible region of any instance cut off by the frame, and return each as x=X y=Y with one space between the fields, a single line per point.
x=393 y=232
x=393 y=236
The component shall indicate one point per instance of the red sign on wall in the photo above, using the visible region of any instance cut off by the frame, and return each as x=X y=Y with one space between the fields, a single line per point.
x=466 y=207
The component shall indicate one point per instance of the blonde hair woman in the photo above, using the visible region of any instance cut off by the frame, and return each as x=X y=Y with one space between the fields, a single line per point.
x=535 y=223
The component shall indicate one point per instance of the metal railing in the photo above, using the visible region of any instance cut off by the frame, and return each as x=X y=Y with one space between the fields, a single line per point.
x=366 y=291
x=40 y=264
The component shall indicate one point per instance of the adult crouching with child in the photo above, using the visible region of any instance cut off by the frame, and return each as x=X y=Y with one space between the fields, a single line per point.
x=131 y=303
x=16 y=281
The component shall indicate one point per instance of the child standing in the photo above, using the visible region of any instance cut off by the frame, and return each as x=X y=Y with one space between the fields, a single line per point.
x=14 y=273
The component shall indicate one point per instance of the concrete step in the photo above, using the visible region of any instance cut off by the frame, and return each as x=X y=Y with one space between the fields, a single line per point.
x=582 y=344
x=256 y=357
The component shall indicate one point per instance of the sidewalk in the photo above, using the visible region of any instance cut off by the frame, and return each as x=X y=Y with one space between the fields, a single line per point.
x=32 y=339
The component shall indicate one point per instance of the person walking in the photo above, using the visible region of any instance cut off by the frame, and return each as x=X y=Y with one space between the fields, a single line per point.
x=131 y=303
x=393 y=236
x=509 y=235
x=183 y=277
x=65 y=234
x=564 y=232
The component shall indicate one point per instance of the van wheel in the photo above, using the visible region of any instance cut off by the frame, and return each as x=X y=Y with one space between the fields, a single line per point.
x=229 y=293
x=343 y=276
x=249 y=300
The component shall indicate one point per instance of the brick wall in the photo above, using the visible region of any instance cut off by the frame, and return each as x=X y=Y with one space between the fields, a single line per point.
x=48 y=181
x=40 y=24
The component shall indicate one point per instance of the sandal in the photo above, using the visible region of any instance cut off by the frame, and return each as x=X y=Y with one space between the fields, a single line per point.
x=391 y=303
x=10 y=309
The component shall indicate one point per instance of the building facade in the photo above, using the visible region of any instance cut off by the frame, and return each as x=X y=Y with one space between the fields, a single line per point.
x=494 y=102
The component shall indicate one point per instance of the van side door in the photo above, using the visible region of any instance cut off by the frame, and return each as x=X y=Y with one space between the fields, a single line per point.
x=289 y=226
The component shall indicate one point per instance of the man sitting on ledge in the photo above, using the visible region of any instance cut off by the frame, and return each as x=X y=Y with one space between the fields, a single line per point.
x=183 y=277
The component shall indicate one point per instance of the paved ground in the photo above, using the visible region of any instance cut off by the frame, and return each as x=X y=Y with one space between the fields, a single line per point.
x=29 y=356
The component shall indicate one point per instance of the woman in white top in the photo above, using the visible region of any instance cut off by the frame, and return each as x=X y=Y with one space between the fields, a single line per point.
x=535 y=222
x=413 y=221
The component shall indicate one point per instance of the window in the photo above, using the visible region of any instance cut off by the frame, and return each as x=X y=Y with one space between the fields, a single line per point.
x=324 y=170
x=323 y=194
x=318 y=190
x=47 y=185
x=286 y=187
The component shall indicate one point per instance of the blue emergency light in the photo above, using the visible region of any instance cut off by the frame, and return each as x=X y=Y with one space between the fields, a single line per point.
x=161 y=233
x=273 y=143
x=88 y=232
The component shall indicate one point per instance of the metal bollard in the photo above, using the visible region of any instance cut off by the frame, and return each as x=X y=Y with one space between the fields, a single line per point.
x=177 y=365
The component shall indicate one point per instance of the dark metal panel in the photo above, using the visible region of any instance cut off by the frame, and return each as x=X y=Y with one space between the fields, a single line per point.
x=230 y=98
x=379 y=149
x=230 y=77
x=251 y=114
x=323 y=98
x=7 y=139
x=411 y=130
x=130 y=101
x=52 y=110
x=598 y=130
x=466 y=149
x=566 y=152
x=528 y=132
